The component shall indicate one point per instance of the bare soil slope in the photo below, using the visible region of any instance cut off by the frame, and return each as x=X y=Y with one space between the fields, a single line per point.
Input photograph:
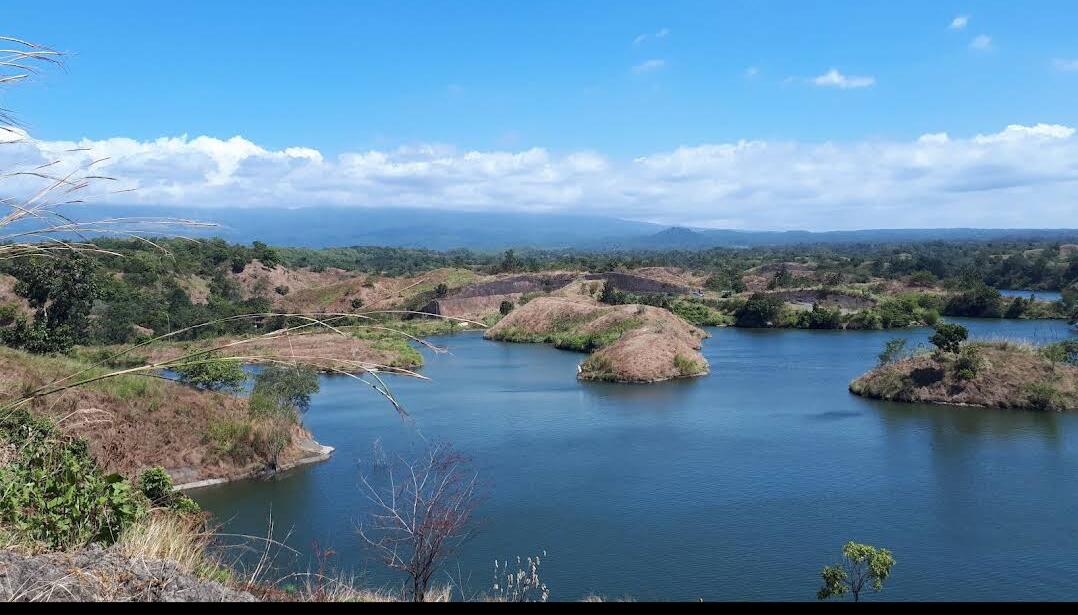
x=632 y=343
x=1013 y=376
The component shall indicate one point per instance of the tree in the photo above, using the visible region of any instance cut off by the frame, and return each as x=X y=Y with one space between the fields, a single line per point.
x=609 y=294
x=861 y=565
x=980 y=300
x=949 y=337
x=441 y=290
x=422 y=513
x=357 y=303
x=63 y=293
x=212 y=373
x=761 y=310
x=509 y=261
x=281 y=394
x=892 y=351
x=505 y=307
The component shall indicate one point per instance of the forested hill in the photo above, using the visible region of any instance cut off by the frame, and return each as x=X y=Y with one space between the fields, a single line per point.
x=435 y=229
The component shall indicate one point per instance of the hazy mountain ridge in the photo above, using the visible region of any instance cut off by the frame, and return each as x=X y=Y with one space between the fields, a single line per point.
x=319 y=227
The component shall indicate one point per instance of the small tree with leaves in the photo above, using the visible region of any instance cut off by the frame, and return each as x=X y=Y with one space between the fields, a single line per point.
x=949 y=337
x=505 y=307
x=862 y=566
x=212 y=373
x=893 y=351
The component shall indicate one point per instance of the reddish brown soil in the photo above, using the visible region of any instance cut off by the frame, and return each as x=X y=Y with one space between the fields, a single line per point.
x=1004 y=381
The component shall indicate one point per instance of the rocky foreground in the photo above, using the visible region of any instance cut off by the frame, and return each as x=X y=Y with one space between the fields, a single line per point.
x=96 y=574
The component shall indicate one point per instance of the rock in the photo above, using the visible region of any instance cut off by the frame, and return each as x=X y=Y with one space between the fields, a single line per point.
x=96 y=574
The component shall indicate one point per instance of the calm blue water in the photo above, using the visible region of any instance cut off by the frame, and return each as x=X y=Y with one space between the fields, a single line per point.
x=740 y=485
x=1039 y=295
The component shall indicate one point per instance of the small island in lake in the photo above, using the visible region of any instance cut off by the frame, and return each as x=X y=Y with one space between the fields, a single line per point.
x=999 y=374
x=630 y=343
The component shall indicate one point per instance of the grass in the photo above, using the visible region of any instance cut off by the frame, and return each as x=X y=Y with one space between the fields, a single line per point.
x=180 y=539
x=686 y=366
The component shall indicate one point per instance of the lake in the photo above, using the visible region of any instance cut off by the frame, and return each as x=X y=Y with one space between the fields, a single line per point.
x=739 y=485
x=1039 y=295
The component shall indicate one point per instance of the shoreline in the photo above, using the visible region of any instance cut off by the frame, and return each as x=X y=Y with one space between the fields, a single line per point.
x=317 y=455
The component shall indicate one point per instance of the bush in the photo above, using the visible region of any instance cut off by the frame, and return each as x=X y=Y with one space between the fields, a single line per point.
x=761 y=310
x=686 y=366
x=156 y=485
x=213 y=374
x=970 y=363
x=505 y=307
x=357 y=303
x=981 y=301
x=949 y=337
x=893 y=351
x=1043 y=396
x=1062 y=352
x=281 y=290
x=820 y=318
x=54 y=494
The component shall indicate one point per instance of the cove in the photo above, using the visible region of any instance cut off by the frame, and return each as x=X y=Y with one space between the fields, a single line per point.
x=739 y=485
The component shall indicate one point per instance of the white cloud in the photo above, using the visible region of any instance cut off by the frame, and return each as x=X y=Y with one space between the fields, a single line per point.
x=960 y=22
x=649 y=66
x=1021 y=176
x=1065 y=65
x=752 y=71
x=833 y=78
x=662 y=33
x=981 y=42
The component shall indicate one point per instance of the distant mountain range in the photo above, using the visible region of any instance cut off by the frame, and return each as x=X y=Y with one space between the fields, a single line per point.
x=319 y=227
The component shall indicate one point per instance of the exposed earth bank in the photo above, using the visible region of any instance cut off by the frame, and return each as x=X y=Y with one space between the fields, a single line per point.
x=1004 y=375
x=631 y=343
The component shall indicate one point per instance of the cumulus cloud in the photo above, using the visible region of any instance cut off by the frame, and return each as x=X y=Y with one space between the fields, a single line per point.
x=649 y=66
x=981 y=42
x=1021 y=176
x=834 y=79
x=959 y=23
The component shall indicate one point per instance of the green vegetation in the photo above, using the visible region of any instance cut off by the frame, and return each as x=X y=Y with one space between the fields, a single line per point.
x=699 y=314
x=761 y=310
x=863 y=567
x=686 y=366
x=894 y=350
x=52 y=492
x=156 y=485
x=212 y=373
x=949 y=337
x=280 y=394
x=566 y=334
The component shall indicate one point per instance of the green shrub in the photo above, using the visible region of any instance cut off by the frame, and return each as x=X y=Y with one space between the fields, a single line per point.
x=761 y=310
x=212 y=374
x=156 y=485
x=893 y=351
x=980 y=301
x=1043 y=396
x=819 y=317
x=969 y=363
x=1065 y=351
x=685 y=365
x=949 y=337
x=54 y=493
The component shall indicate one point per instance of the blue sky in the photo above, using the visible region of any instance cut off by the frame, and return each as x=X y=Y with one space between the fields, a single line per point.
x=618 y=81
